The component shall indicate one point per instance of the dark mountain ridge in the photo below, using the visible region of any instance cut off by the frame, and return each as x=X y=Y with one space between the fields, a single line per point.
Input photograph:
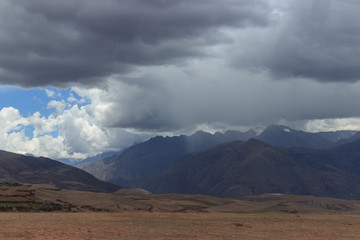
x=239 y=168
x=345 y=157
x=40 y=170
x=156 y=154
x=278 y=135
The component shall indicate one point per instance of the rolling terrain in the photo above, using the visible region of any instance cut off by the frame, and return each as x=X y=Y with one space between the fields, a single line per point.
x=46 y=198
x=46 y=212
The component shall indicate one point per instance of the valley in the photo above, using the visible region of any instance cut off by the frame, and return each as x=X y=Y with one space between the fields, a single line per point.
x=180 y=120
x=201 y=186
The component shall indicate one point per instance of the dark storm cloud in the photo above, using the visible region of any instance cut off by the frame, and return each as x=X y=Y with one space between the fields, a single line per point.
x=322 y=44
x=62 y=42
x=218 y=95
x=317 y=40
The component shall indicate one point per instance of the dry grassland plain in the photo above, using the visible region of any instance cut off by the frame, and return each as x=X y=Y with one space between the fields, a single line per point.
x=189 y=226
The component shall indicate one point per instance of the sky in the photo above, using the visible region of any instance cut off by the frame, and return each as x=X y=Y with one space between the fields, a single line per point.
x=81 y=77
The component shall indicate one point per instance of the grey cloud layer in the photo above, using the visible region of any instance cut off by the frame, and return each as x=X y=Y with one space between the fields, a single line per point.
x=324 y=45
x=316 y=39
x=64 y=42
x=169 y=65
x=68 y=42
x=218 y=95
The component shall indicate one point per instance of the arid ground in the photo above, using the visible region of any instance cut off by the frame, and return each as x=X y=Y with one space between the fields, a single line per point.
x=133 y=226
x=45 y=212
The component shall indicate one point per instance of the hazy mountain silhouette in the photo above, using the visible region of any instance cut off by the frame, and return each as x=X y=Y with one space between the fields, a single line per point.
x=277 y=135
x=247 y=168
x=156 y=154
x=353 y=138
x=95 y=158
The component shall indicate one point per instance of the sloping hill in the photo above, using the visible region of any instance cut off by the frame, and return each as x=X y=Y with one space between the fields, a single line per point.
x=248 y=168
x=345 y=157
x=156 y=154
x=35 y=198
x=25 y=169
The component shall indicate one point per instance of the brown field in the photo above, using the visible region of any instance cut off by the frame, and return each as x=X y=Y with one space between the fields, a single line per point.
x=46 y=212
x=133 y=226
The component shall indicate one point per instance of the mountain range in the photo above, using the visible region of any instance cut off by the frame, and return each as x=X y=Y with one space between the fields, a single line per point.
x=231 y=164
x=155 y=155
x=278 y=135
x=240 y=168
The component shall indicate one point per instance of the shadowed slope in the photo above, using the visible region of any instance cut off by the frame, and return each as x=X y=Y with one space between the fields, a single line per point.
x=156 y=154
x=246 y=168
x=25 y=169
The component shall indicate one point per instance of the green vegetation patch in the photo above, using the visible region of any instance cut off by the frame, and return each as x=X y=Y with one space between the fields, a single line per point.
x=206 y=203
x=94 y=209
x=139 y=198
x=11 y=184
x=52 y=189
x=8 y=207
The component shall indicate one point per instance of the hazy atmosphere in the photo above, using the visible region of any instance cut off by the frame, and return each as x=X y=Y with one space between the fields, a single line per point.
x=82 y=77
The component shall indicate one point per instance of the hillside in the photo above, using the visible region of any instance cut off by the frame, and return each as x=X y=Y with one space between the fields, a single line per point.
x=345 y=157
x=156 y=154
x=33 y=170
x=20 y=198
x=249 y=168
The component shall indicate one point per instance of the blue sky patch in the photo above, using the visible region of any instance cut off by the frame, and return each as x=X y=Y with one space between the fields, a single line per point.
x=29 y=101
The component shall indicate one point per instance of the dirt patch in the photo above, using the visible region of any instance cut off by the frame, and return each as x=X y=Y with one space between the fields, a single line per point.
x=178 y=226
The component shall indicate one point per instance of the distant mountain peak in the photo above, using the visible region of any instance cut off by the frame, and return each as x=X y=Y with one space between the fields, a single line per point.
x=254 y=141
x=279 y=128
x=280 y=135
x=200 y=133
x=253 y=145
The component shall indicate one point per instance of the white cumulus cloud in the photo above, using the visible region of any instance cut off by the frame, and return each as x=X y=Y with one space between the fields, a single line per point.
x=70 y=133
